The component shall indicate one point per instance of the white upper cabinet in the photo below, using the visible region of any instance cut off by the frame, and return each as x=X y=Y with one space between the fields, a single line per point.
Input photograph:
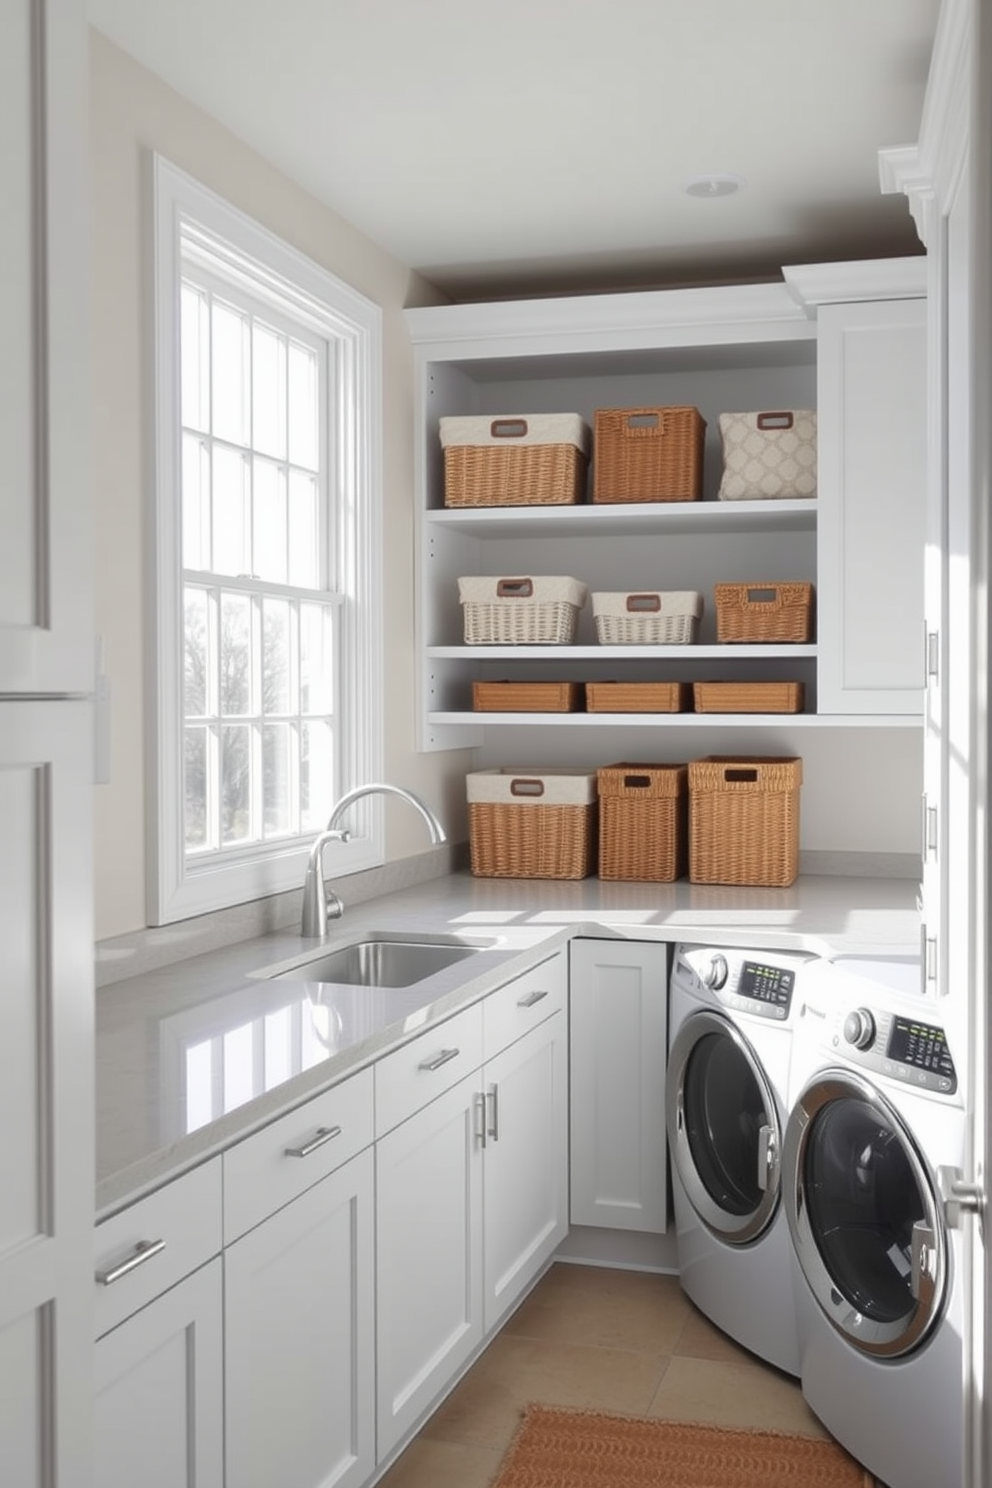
x=45 y=642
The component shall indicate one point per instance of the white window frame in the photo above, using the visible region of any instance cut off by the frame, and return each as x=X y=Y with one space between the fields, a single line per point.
x=242 y=250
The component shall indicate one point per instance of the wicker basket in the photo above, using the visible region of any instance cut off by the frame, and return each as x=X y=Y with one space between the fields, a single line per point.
x=648 y=454
x=744 y=820
x=643 y=813
x=528 y=611
x=764 y=612
x=637 y=697
x=647 y=619
x=540 y=460
x=527 y=697
x=532 y=824
x=748 y=697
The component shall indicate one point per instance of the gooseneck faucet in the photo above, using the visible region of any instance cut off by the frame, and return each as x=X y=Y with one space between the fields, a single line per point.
x=320 y=903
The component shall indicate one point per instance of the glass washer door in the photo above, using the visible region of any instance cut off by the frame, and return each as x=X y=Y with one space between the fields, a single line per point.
x=864 y=1216
x=723 y=1128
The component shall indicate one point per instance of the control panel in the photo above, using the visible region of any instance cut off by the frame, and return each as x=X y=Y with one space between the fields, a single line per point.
x=912 y=1050
x=740 y=981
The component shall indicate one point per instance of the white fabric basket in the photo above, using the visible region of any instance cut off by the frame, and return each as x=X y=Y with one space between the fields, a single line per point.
x=647 y=617
x=525 y=428
x=556 y=786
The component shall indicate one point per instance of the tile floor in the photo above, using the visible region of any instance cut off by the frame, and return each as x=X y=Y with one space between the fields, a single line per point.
x=613 y=1340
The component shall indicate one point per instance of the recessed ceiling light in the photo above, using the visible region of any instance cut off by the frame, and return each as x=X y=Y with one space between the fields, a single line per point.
x=713 y=185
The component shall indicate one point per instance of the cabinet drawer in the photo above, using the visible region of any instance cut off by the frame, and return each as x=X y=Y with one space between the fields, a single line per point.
x=423 y=1069
x=288 y=1156
x=522 y=1004
x=155 y=1242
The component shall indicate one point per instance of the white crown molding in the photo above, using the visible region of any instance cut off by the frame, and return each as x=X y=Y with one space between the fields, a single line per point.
x=812 y=285
x=900 y=172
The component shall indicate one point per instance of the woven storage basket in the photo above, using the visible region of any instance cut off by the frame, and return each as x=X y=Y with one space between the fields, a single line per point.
x=643 y=815
x=637 y=697
x=748 y=697
x=744 y=820
x=527 y=697
x=648 y=454
x=532 y=611
x=532 y=823
x=538 y=460
x=764 y=612
x=652 y=618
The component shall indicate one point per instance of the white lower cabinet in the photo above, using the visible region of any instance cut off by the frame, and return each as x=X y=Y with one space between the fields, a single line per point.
x=618 y=1022
x=159 y=1406
x=298 y=1337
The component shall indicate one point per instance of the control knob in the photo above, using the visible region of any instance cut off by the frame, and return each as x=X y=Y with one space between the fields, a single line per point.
x=717 y=972
x=859 y=1028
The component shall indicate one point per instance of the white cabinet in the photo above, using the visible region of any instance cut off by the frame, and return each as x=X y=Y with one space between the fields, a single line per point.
x=618 y=1001
x=299 y=1339
x=45 y=640
x=872 y=390
x=159 y=1411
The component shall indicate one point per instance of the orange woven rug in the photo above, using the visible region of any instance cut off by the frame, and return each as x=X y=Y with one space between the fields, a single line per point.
x=586 y=1449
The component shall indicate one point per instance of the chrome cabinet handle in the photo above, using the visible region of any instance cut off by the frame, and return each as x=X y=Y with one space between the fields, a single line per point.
x=530 y=998
x=142 y=1252
x=321 y=1135
x=493 y=1127
x=481 y=1131
x=445 y=1056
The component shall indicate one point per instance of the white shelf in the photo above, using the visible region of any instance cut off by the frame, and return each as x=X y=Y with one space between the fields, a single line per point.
x=683 y=720
x=633 y=519
x=622 y=653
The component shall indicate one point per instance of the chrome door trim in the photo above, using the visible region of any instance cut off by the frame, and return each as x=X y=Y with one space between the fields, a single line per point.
x=734 y=1229
x=886 y=1340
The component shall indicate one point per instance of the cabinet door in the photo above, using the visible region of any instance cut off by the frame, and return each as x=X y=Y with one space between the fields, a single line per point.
x=872 y=402
x=159 y=1391
x=299 y=1340
x=45 y=636
x=525 y=1197
x=618 y=1019
x=428 y=1256
x=46 y=1094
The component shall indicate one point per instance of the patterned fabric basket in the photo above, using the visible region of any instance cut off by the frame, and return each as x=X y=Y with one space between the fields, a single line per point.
x=531 y=611
x=744 y=820
x=537 y=460
x=643 y=813
x=532 y=823
x=647 y=619
x=764 y=612
x=768 y=456
x=648 y=454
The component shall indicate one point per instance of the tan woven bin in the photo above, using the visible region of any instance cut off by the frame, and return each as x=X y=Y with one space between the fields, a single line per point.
x=744 y=820
x=532 y=824
x=648 y=454
x=748 y=697
x=637 y=697
x=764 y=612
x=643 y=820
x=510 y=460
x=527 y=697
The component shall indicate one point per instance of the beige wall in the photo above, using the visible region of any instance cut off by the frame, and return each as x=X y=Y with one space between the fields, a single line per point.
x=131 y=114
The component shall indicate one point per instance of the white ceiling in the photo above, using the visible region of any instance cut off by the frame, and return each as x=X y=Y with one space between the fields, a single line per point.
x=532 y=146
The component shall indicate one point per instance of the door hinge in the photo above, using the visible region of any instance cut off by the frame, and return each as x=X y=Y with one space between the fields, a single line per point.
x=931 y=654
x=929 y=829
x=959 y=1197
x=928 y=957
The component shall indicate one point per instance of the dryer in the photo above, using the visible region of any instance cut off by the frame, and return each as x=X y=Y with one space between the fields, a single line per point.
x=730 y=1040
x=877 y=1113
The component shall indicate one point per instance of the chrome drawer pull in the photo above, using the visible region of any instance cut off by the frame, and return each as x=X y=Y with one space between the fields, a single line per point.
x=530 y=998
x=323 y=1134
x=443 y=1058
x=143 y=1251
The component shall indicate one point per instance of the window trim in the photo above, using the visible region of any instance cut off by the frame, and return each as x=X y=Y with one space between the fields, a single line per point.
x=268 y=267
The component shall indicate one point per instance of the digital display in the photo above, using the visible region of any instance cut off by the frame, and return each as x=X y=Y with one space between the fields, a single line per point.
x=922 y=1046
x=771 y=984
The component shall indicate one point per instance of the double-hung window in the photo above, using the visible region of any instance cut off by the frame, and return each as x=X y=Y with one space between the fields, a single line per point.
x=267 y=538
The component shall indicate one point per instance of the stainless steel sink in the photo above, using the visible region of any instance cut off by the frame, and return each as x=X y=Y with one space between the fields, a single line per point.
x=381 y=961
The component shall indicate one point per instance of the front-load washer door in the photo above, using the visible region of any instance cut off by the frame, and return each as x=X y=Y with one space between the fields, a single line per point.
x=723 y=1128
x=864 y=1214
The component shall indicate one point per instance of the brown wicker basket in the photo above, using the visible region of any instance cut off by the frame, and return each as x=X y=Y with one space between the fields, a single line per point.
x=643 y=813
x=540 y=460
x=527 y=697
x=637 y=697
x=537 y=824
x=744 y=820
x=764 y=612
x=648 y=454
x=748 y=697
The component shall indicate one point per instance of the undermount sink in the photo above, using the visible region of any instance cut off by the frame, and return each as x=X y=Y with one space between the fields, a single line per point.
x=381 y=961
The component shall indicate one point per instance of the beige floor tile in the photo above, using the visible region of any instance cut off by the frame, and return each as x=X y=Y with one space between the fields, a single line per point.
x=733 y=1394
x=701 y=1339
x=440 y=1464
x=484 y=1409
x=603 y=1308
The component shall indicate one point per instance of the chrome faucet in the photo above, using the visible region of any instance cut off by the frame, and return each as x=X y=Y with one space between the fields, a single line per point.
x=320 y=903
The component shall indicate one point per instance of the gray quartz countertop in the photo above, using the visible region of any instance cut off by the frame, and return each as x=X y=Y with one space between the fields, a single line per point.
x=197 y=1054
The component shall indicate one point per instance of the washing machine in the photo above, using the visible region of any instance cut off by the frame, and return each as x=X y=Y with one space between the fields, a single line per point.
x=730 y=1041
x=876 y=1115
